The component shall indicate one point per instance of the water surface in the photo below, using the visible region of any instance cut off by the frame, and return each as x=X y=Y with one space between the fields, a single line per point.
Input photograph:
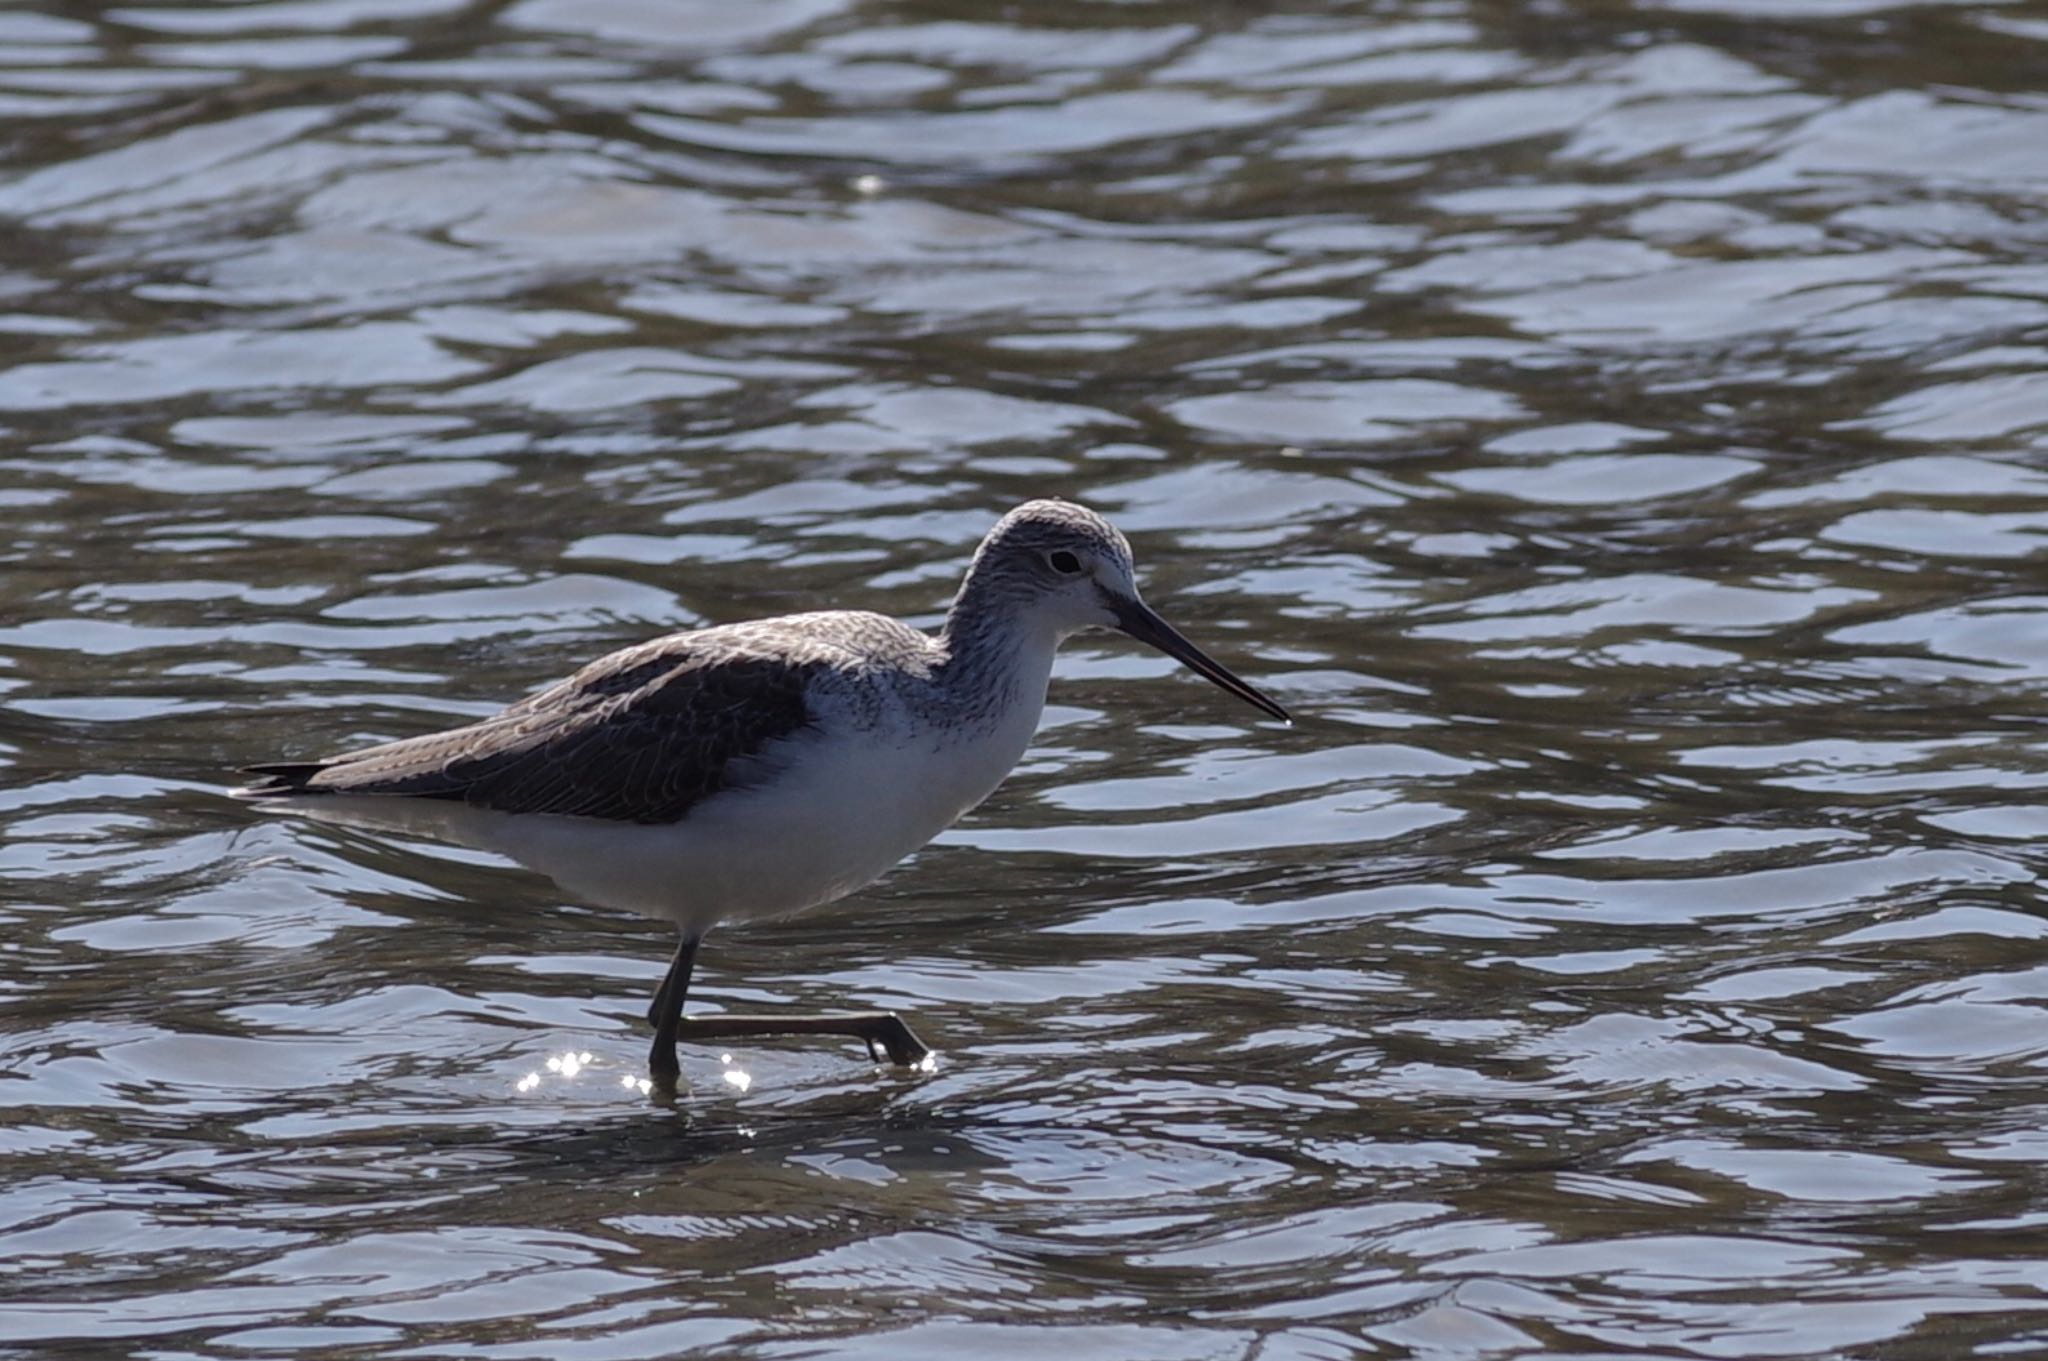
x=1618 y=432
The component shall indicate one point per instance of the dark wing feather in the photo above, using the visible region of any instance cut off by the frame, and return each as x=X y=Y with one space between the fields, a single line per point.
x=640 y=736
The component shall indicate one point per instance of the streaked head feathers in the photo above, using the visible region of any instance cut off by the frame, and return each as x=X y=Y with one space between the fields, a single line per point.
x=1048 y=525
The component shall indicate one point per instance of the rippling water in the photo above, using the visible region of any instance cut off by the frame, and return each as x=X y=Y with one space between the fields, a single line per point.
x=1619 y=432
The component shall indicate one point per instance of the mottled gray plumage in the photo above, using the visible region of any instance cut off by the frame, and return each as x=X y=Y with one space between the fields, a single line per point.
x=648 y=732
x=847 y=740
x=640 y=735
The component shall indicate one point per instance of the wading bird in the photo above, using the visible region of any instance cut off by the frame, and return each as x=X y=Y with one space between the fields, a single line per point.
x=750 y=770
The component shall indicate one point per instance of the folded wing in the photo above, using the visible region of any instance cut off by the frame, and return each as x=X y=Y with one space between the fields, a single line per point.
x=639 y=736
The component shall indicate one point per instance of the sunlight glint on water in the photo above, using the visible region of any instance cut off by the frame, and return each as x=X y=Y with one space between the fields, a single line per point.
x=1617 y=433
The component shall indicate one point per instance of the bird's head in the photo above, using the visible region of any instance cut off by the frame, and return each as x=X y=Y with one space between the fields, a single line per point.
x=1063 y=568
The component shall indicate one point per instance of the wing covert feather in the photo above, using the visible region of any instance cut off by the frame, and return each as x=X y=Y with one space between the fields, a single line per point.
x=640 y=736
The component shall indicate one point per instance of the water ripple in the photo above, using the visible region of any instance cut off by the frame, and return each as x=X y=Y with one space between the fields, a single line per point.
x=1618 y=436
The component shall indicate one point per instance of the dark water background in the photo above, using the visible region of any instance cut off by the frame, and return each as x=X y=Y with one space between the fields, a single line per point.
x=1619 y=431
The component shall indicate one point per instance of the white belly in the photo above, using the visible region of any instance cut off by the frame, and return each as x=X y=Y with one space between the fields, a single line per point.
x=835 y=821
x=841 y=811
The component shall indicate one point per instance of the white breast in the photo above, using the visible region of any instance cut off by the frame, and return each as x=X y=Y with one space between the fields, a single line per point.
x=843 y=805
x=833 y=808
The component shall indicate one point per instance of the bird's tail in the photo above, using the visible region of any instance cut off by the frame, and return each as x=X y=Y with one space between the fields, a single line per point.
x=279 y=780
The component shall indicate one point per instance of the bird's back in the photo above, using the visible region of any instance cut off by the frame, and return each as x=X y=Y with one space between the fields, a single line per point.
x=646 y=733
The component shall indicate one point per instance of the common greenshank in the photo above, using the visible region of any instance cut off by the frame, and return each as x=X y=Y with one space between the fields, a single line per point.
x=750 y=770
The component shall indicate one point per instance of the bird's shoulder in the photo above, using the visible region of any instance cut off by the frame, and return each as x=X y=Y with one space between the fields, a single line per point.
x=767 y=660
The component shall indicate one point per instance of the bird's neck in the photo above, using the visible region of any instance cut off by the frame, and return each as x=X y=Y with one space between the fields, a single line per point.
x=996 y=656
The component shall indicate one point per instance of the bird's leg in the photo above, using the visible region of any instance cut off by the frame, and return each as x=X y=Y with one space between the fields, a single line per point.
x=884 y=1028
x=667 y=1011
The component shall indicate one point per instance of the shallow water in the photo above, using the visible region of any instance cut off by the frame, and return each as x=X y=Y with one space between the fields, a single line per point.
x=1618 y=432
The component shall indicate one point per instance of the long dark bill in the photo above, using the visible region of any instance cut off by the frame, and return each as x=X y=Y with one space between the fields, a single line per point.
x=1134 y=618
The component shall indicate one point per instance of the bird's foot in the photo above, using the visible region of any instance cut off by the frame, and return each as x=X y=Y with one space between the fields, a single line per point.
x=898 y=1041
x=883 y=1029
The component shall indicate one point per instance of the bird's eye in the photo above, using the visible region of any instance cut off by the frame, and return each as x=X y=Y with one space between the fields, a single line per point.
x=1063 y=562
